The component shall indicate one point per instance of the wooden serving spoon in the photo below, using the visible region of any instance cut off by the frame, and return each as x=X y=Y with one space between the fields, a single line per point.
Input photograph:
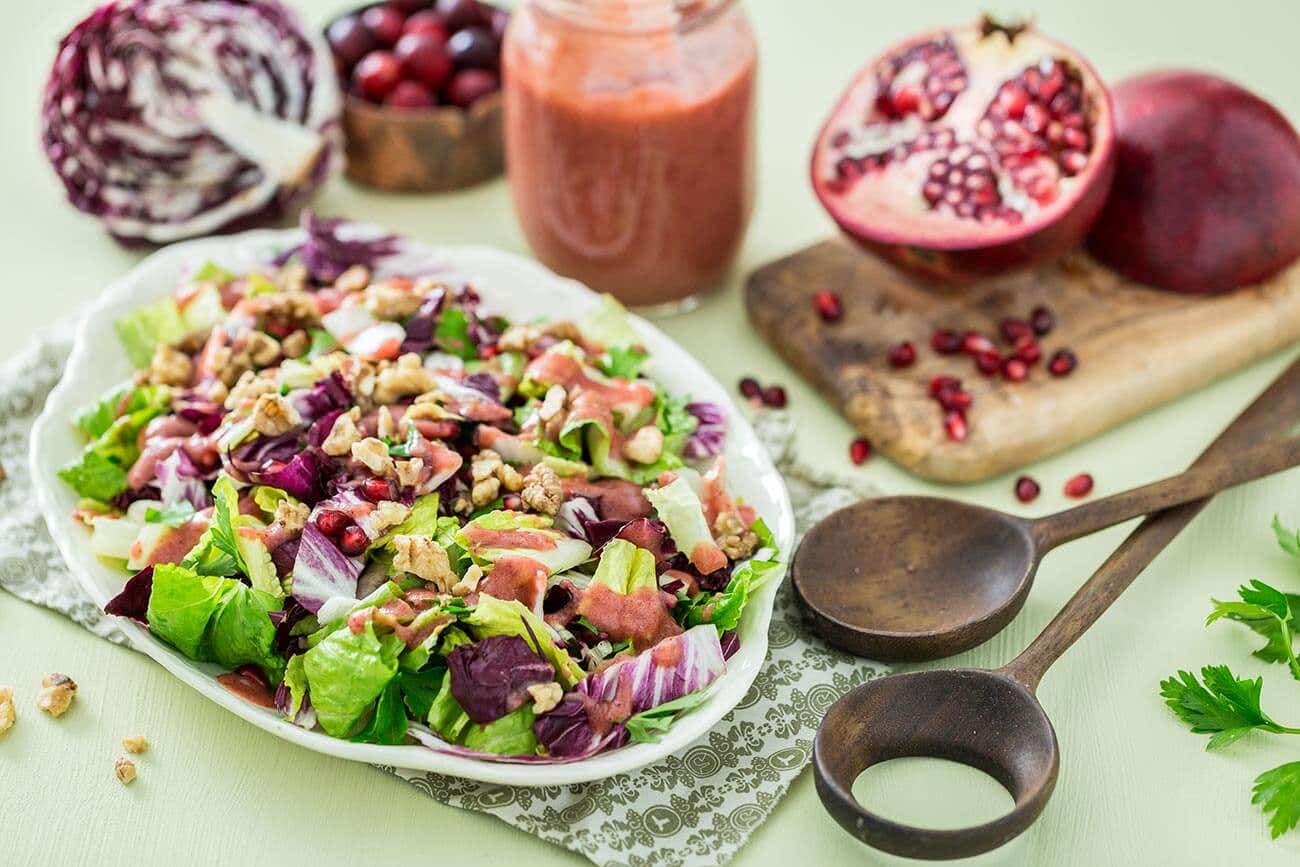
x=991 y=720
x=918 y=578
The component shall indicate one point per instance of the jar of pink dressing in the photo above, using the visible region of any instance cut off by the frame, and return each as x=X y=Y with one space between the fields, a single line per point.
x=630 y=140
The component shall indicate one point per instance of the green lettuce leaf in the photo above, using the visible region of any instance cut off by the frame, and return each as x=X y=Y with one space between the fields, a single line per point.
x=623 y=362
x=681 y=511
x=625 y=568
x=181 y=605
x=421 y=688
x=446 y=716
x=388 y=723
x=217 y=551
x=173 y=516
x=451 y=334
x=100 y=471
x=295 y=678
x=95 y=476
x=511 y=735
x=492 y=616
x=649 y=725
x=346 y=673
x=142 y=330
x=241 y=630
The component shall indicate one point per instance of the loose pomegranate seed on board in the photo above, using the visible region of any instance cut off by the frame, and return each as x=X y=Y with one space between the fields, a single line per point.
x=1063 y=363
x=859 y=451
x=1042 y=320
x=1079 y=486
x=1014 y=370
x=828 y=306
x=973 y=343
x=750 y=388
x=988 y=363
x=1014 y=330
x=954 y=422
x=1028 y=350
x=774 y=396
x=943 y=382
x=954 y=398
x=1027 y=489
x=902 y=355
x=945 y=342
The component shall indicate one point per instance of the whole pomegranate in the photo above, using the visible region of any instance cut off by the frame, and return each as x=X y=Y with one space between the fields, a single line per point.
x=1207 y=192
x=968 y=151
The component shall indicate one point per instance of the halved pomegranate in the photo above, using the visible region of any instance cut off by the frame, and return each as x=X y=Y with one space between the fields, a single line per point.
x=969 y=151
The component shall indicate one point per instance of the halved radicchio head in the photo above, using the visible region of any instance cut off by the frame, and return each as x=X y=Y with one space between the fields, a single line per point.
x=169 y=119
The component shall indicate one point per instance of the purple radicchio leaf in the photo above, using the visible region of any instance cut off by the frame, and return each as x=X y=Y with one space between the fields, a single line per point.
x=179 y=479
x=306 y=715
x=420 y=327
x=285 y=620
x=491 y=678
x=205 y=414
x=321 y=427
x=321 y=571
x=426 y=738
x=284 y=554
x=304 y=476
x=484 y=382
x=133 y=599
x=567 y=733
x=327 y=253
x=710 y=435
x=730 y=644
x=252 y=456
x=325 y=396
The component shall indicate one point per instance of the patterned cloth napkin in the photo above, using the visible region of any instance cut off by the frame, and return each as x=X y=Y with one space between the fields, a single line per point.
x=696 y=807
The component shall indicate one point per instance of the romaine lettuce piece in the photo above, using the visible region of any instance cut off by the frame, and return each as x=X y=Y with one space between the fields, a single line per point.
x=724 y=608
x=346 y=673
x=388 y=723
x=100 y=472
x=242 y=632
x=649 y=725
x=422 y=521
x=679 y=507
x=142 y=330
x=217 y=551
x=446 y=716
x=95 y=476
x=500 y=533
x=181 y=606
x=625 y=568
x=203 y=311
x=511 y=735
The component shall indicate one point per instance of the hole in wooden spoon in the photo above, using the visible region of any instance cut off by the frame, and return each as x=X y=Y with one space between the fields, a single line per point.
x=936 y=794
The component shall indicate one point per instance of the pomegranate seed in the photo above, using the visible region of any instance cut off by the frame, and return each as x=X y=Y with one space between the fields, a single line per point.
x=353 y=541
x=954 y=422
x=1028 y=350
x=1014 y=330
x=955 y=398
x=945 y=342
x=942 y=383
x=828 y=306
x=750 y=388
x=1079 y=486
x=973 y=343
x=902 y=355
x=1027 y=489
x=1014 y=370
x=377 y=490
x=1042 y=320
x=1063 y=363
x=331 y=522
x=774 y=396
x=988 y=363
x=859 y=451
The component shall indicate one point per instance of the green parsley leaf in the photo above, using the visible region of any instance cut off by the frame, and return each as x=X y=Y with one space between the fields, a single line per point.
x=1288 y=539
x=623 y=362
x=1226 y=707
x=172 y=516
x=1278 y=792
x=1269 y=613
x=452 y=334
x=322 y=342
x=649 y=725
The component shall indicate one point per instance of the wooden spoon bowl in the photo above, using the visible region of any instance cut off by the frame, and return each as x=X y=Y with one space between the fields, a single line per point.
x=1006 y=735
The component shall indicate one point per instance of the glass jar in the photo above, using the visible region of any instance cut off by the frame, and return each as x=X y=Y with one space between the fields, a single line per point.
x=630 y=140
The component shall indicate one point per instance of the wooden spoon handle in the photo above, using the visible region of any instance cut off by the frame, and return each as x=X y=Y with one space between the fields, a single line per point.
x=1275 y=412
x=1204 y=479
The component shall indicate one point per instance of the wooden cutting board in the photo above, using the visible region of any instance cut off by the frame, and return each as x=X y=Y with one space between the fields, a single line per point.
x=1137 y=348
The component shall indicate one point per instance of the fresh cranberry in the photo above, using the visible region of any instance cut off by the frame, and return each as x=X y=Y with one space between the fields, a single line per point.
x=828 y=306
x=973 y=343
x=1028 y=350
x=424 y=59
x=1042 y=320
x=1062 y=363
x=1079 y=486
x=1027 y=489
x=428 y=22
x=945 y=342
x=774 y=396
x=332 y=522
x=1014 y=370
x=954 y=422
x=902 y=355
x=384 y=23
x=955 y=398
x=474 y=48
x=461 y=13
x=859 y=451
x=750 y=388
x=988 y=363
x=1015 y=329
x=943 y=382
x=377 y=74
x=470 y=85
x=377 y=490
x=353 y=541
x=411 y=95
x=349 y=40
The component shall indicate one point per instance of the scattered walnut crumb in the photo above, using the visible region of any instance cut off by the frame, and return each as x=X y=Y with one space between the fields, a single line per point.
x=125 y=770
x=374 y=455
x=542 y=491
x=8 y=713
x=273 y=415
x=545 y=696
x=135 y=744
x=3 y=474
x=423 y=558
x=57 y=692
x=645 y=446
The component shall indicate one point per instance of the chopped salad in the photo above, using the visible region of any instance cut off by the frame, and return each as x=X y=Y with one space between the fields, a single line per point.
x=398 y=518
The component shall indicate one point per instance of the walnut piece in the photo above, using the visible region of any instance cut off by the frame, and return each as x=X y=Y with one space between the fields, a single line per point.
x=343 y=435
x=408 y=472
x=124 y=768
x=542 y=491
x=468 y=582
x=261 y=347
x=135 y=744
x=8 y=713
x=57 y=692
x=292 y=516
x=510 y=478
x=374 y=455
x=170 y=367
x=293 y=309
x=296 y=344
x=249 y=387
x=645 y=446
x=735 y=539
x=353 y=279
x=387 y=514
x=423 y=558
x=386 y=301
x=485 y=465
x=485 y=491
x=273 y=415
x=545 y=696
x=406 y=378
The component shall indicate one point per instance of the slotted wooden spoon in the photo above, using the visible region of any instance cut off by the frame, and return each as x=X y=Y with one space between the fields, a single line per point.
x=992 y=720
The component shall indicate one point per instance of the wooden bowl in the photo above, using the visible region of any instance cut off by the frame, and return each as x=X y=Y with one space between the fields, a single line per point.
x=423 y=151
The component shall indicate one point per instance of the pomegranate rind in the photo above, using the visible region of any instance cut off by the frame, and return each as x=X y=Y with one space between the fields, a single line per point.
x=1206 y=197
x=956 y=250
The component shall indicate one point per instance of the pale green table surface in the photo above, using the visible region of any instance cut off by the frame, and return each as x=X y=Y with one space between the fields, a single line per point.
x=1135 y=787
